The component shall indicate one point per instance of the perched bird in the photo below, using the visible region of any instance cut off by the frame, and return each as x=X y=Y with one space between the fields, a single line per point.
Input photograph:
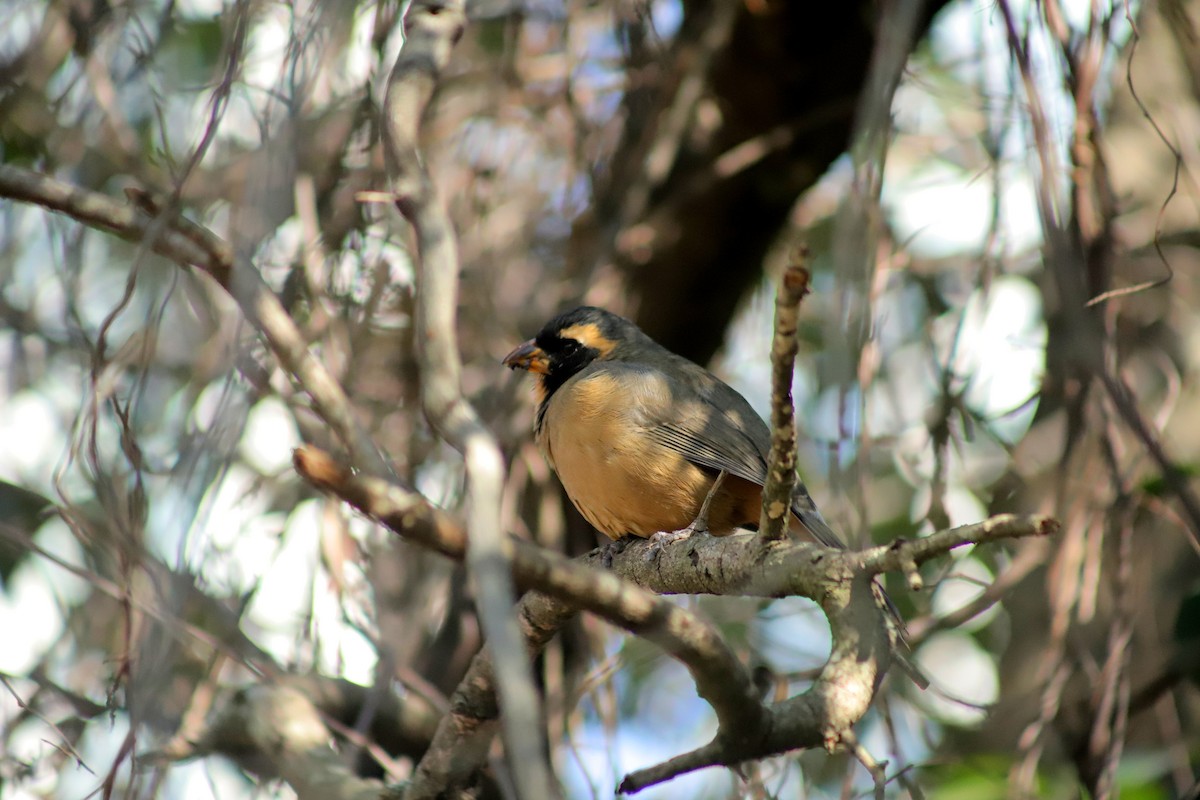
x=639 y=435
x=647 y=443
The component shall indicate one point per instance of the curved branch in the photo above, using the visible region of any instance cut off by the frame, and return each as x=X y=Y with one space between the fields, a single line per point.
x=841 y=581
x=720 y=677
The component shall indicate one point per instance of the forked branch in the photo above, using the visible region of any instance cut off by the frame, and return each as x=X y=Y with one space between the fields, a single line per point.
x=839 y=580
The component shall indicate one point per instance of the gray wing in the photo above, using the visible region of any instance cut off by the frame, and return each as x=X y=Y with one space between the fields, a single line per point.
x=715 y=427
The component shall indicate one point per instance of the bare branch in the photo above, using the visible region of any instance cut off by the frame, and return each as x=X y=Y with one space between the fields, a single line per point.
x=824 y=714
x=841 y=581
x=892 y=558
x=1026 y=560
x=432 y=27
x=877 y=769
x=189 y=244
x=275 y=731
x=720 y=677
x=1126 y=406
x=464 y=736
x=781 y=467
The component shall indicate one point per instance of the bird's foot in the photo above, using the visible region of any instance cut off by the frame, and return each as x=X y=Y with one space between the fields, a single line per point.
x=615 y=548
x=660 y=540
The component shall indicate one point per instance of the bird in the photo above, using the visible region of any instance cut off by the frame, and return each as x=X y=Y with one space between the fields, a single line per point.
x=641 y=437
x=649 y=444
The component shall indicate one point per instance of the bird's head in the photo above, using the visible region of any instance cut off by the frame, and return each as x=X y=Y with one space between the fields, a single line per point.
x=572 y=340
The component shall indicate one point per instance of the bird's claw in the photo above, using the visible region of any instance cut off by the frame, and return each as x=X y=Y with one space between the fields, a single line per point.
x=660 y=540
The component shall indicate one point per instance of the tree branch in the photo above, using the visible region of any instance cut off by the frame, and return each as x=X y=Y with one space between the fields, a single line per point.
x=896 y=557
x=720 y=677
x=189 y=244
x=781 y=467
x=432 y=27
x=1126 y=406
x=275 y=731
x=841 y=581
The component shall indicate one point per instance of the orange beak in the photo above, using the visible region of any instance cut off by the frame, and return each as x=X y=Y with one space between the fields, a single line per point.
x=529 y=357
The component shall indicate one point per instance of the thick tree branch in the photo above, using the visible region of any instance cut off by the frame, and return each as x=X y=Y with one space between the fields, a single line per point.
x=432 y=27
x=841 y=581
x=720 y=677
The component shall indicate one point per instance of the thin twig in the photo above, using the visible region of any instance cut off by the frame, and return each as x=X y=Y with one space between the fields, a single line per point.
x=781 y=467
x=1029 y=558
x=863 y=756
x=1177 y=156
x=1126 y=407
x=64 y=741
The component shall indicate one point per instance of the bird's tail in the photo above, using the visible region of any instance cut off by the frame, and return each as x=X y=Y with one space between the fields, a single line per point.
x=898 y=633
x=814 y=524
